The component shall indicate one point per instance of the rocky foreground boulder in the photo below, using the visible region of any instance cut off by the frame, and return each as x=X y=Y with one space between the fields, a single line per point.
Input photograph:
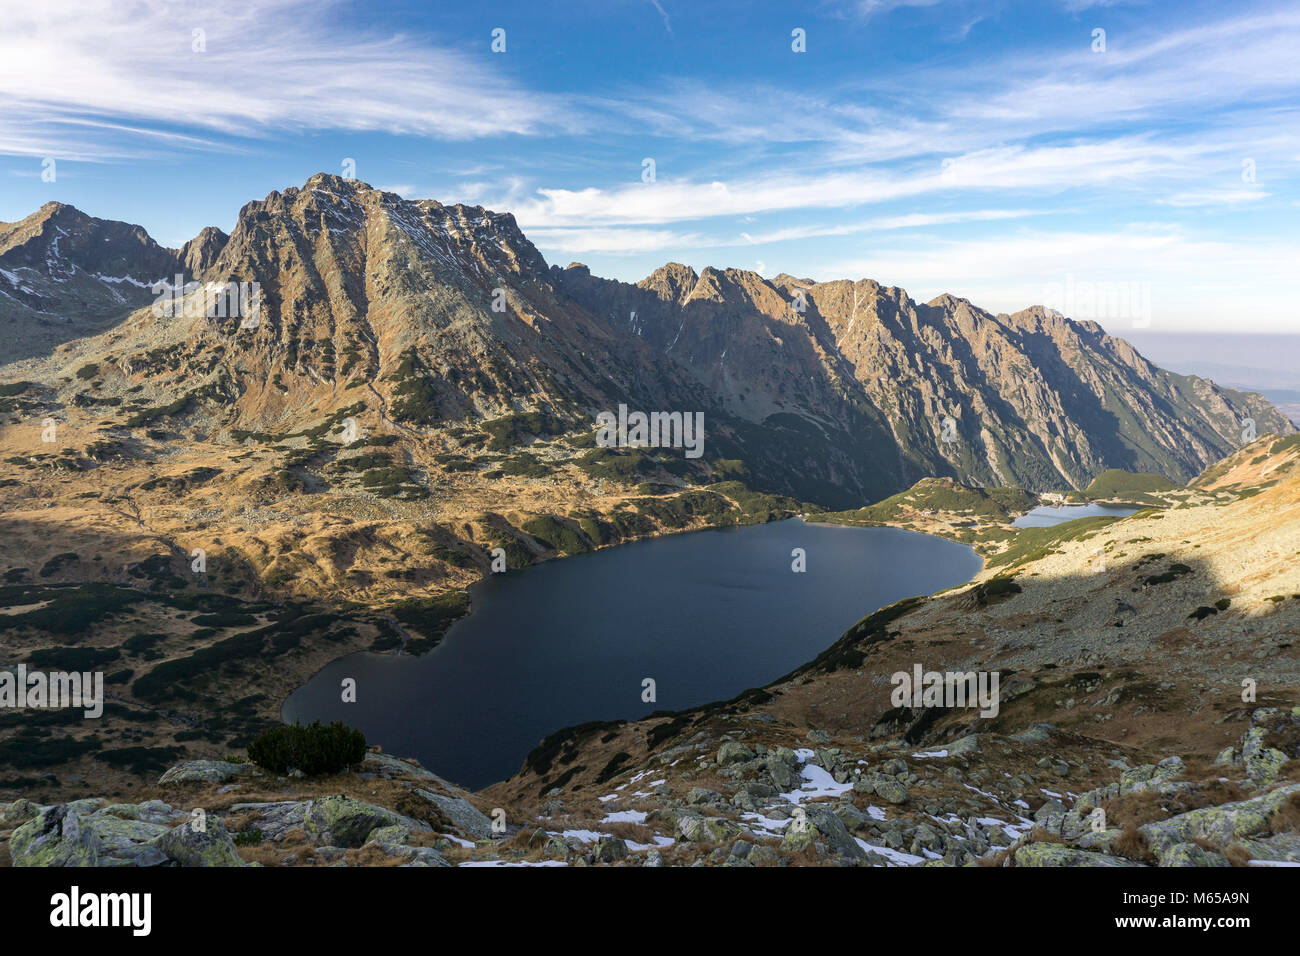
x=97 y=833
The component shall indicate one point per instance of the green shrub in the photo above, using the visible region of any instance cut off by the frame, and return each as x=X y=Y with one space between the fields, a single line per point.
x=559 y=537
x=316 y=750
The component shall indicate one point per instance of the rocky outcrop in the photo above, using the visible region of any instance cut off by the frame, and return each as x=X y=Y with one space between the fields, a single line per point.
x=204 y=771
x=341 y=821
x=93 y=833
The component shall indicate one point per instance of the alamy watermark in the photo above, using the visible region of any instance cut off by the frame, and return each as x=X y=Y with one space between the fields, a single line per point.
x=214 y=300
x=1100 y=301
x=923 y=688
x=127 y=910
x=653 y=430
x=53 y=691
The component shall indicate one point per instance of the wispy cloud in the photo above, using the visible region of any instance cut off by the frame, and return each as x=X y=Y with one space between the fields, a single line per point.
x=241 y=69
x=631 y=240
x=1215 y=197
x=1022 y=169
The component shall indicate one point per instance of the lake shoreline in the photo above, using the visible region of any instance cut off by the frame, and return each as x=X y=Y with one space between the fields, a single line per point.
x=719 y=597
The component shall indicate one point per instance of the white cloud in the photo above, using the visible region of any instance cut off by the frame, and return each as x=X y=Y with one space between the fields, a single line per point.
x=628 y=240
x=1196 y=284
x=615 y=241
x=268 y=67
x=1215 y=197
x=1021 y=169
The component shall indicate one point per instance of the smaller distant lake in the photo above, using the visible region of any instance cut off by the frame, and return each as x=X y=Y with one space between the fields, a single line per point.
x=1049 y=515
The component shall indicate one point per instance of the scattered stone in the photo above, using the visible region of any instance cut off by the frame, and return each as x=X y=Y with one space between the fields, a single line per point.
x=734 y=752
x=608 y=849
x=891 y=791
x=195 y=844
x=693 y=828
x=963 y=746
x=1058 y=854
x=204 y=771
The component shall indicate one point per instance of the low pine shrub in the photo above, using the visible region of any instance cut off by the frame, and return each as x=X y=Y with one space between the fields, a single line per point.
x=315 y=750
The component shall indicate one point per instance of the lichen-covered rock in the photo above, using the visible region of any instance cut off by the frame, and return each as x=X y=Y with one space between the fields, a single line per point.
x=18 y=812
x=83 y=833
x=784 y=776
x=396 y=833
x=1058 y=854
x=204 y=771
x=733 y=751
x=1051 y=815
x=195 y=843
x=608 y=849
x=1099 y=841
x=692 y=828
x=1219 y=825
x=822 y=822
x=55 y=837
x=1092 y=799
x=964 y=746
x=1263 y=763
x=341 y=821
x=1190 y=854
x=698 y=795
x=1279 y=848
x=151 y=811
x=891 y=791
x=394 y=840
x=425 y=856
x=461 y=814
x=1157 y=777
x=275 y=820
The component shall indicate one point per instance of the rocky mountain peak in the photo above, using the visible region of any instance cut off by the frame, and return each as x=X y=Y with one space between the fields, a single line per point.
x=201 y=252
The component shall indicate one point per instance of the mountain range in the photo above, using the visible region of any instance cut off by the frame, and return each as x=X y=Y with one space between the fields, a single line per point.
x=418 y=318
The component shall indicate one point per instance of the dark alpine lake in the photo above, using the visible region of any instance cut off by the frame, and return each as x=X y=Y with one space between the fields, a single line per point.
x=705 y=615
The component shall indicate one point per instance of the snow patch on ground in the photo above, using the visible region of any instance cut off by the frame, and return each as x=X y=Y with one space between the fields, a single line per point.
x=625 y=816
x=818 y=783
x=504 y=863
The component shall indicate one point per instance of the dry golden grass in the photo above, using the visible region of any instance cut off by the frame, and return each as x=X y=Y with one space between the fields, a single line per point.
x=1287 y=817
x=1131 y=845
x=1236 y=854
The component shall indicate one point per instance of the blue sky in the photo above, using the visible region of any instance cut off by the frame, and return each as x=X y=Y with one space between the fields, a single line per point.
x=992 y=150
